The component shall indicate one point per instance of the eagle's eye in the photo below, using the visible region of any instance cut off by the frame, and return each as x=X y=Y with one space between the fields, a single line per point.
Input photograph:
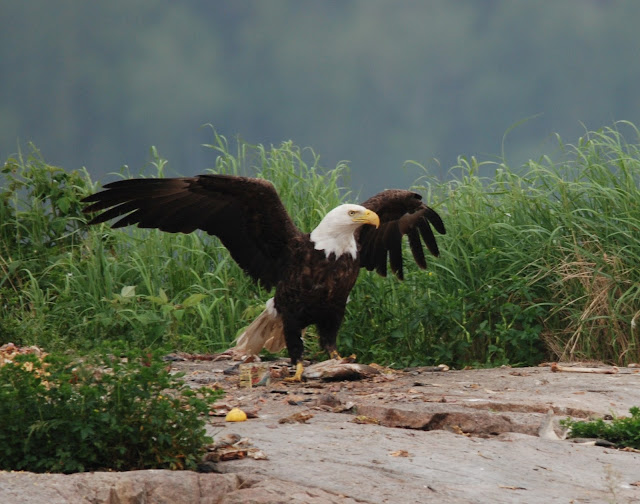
x=352 y=212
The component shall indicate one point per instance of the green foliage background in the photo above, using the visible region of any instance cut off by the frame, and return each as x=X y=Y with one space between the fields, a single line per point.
x=539 y=262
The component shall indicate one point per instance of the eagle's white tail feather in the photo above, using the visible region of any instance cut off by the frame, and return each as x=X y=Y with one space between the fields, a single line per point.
x=266 y=332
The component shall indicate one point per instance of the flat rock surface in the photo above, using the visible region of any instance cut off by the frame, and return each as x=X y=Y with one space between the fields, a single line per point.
x=421 y=436
x=398 y=436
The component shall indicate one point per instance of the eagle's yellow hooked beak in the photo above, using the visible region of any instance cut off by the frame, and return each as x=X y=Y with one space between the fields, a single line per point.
x=368 y=217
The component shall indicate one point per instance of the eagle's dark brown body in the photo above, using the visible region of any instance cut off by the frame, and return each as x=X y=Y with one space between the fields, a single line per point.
x=312 y=274
x=314 y=292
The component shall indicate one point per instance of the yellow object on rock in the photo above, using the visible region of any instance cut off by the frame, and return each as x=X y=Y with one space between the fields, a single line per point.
x=236 y=415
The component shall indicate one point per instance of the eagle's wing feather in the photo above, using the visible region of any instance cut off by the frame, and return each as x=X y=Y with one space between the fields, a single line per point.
x=401 y=213
x=245 y=213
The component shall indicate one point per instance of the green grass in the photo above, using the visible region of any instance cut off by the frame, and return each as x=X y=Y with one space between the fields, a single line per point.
x=539 y=262
x=623 y=431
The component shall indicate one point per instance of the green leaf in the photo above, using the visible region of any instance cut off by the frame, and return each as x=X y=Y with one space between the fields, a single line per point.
x=128 y=291
x=193 y=300
x=63 y=204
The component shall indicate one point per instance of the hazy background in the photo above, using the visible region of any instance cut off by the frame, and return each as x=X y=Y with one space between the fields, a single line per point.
x=374 y=82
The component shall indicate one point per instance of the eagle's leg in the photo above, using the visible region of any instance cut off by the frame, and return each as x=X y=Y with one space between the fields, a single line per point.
x=328 y=334
x=297 y=377
x=293 y=338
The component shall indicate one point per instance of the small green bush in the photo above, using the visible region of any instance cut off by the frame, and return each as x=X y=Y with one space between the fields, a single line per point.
x=623 y=431
x=105 y=412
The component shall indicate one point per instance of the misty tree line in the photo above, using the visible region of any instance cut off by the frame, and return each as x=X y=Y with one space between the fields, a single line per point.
x=374 y=82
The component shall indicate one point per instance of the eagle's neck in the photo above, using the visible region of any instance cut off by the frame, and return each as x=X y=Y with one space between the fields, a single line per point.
x=333 y=239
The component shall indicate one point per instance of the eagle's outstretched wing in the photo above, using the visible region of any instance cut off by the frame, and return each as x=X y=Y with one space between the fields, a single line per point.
x=401 y=213
x=245 y=213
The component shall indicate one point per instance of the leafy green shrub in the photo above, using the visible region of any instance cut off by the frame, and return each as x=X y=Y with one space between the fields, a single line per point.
x=103 y=412
x=623 y=431
x=40 y=216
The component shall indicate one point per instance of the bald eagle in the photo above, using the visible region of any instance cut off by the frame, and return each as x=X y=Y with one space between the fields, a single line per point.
x=312 y=273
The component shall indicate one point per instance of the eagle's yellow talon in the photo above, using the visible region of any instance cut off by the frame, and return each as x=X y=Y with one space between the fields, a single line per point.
x=335 y=355
x=298 y=376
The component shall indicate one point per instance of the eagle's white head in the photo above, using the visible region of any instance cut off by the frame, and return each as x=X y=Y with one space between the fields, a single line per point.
x=335 y=232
